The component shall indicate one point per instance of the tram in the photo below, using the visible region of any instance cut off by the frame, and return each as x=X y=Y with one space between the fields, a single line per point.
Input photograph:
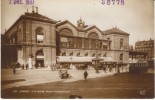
x=138 y=67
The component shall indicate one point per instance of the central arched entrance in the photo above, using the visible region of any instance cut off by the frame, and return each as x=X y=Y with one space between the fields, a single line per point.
x=40 y=59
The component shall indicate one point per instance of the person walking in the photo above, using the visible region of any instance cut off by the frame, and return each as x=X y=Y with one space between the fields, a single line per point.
x=85 y=75
x=14 y=69
x=27 y=66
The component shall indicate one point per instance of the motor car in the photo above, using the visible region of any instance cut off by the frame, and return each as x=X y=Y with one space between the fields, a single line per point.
x=63 y=73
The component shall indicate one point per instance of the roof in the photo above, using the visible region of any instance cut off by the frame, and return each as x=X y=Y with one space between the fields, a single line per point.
x=64 y=22
x=32 y=16
x=91 y=27
x=144 y=42
x=38 y=16
x=115 y=31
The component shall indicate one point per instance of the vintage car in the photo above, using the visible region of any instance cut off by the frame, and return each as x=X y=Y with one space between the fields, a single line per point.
x=63 y=73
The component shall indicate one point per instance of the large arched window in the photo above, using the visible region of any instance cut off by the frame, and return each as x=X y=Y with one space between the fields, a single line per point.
x=66 y=32
x=93 y=36
x=65 y=40
x=39 y=35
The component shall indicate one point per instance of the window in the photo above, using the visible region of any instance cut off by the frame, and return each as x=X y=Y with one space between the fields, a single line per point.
x=64 y=41
x=71 y=54
x=39 y=35
x=93 y=55
x=121 y=57
x=109 y=43
x=86 y=43
x=79 y=43
x=99 y=55
x=64 y=54
x=71 y=43
x=78 y=54
x=121 y=43
x=93 y=44
x=86 y=54
x=40 y=38
x=99 y=44
x=105 y=55
x=93 y=36
x=66 y=32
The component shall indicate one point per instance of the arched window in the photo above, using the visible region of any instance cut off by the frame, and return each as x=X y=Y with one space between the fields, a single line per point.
x=39 y=35
x=86 y=54
x=64 y=54
x=39 y=53
x=66 y=32
x=93 y=55
x=78 y=54
x=93 y=36
x=71 y=54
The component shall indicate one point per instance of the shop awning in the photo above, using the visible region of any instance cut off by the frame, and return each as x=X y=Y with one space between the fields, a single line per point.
x=71 y=59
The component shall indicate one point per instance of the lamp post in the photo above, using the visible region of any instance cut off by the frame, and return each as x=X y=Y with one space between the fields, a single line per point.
x=71 y=61
x=30 y=60
x=97 y=60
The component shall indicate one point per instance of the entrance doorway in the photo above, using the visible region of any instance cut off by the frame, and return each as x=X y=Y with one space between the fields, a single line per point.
x=39 y=59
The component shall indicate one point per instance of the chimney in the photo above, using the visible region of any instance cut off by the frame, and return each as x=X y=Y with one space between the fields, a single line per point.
x=32 y=9
x=36 y=9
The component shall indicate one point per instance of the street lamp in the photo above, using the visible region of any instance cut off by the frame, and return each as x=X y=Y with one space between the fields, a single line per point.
x=30 y=60
x=71 y=61
x=97 y=60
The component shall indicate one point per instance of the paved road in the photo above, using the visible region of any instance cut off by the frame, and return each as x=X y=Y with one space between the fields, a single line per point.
x=44 y=75
x=124 y=85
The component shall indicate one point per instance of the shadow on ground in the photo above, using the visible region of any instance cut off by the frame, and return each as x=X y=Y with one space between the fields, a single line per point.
x=4 y=82
x=124 y=85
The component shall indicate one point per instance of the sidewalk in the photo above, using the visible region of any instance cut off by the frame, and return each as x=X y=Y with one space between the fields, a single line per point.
x=45 y=75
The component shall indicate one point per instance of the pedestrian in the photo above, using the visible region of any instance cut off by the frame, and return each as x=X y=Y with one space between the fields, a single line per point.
x=118 y=70
x=26 y=66
x=85 y=75
x=104 y=68
x=23 y=66
x=14 y=69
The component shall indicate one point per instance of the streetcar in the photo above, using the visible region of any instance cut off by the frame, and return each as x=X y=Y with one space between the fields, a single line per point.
x=138 y=67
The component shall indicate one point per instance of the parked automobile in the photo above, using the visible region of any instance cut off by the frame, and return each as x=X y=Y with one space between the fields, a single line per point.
x=63 y=73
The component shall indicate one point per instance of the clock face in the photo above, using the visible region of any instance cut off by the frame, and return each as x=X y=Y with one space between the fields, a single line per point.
x=81 y=24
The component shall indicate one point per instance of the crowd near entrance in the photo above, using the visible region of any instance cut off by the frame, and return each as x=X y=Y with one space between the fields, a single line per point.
x=39 y=59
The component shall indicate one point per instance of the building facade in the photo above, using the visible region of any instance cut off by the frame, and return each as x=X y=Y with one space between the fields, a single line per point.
x=147 y=47
x=35 y=39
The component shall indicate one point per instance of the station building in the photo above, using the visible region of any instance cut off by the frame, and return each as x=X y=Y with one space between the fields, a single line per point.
x=35 y=39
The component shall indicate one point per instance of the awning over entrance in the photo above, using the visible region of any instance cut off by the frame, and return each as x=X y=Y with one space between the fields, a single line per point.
x=40 y=57
x=71 y=59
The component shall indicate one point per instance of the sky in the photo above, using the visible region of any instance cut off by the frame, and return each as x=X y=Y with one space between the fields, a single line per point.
x=135 y=17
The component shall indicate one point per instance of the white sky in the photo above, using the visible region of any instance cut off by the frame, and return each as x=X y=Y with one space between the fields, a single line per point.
x=135 y=17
